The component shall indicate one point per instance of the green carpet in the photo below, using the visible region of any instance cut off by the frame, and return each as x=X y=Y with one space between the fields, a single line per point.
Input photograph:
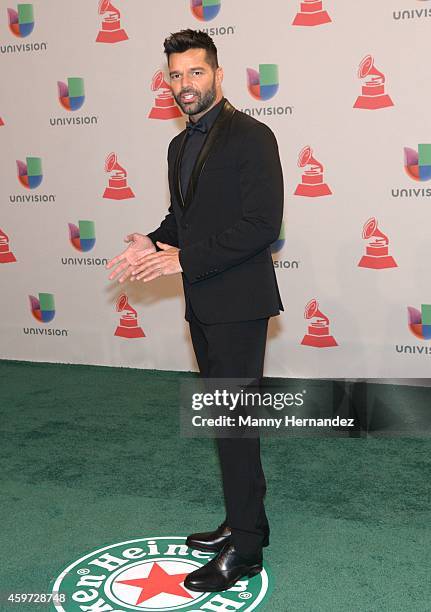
x=92 y=456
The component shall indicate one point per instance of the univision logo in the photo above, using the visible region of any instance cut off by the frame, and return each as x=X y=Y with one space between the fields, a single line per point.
x=43 y=310
x=417 y=166
x=419 y=323
x=83 y=235
x=205 y=10
x=21 y=22
x=30 y=172
x=21 y=25
x=416 y=13
x=83 y=238
x=30 y=177
x=71 y=96
x=263 y=85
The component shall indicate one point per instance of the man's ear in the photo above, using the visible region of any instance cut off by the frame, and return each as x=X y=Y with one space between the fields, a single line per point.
x=219 y=75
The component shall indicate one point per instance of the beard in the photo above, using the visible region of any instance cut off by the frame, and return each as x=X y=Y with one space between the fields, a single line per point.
x=201 y=104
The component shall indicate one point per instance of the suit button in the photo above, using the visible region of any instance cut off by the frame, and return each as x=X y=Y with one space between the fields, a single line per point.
x=185 y=226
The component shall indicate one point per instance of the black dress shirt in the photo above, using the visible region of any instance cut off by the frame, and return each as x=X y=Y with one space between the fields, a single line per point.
x=196 y=135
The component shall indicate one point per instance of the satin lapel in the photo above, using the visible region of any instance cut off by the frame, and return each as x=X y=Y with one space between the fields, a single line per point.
x=216 y=130
x=177 y=165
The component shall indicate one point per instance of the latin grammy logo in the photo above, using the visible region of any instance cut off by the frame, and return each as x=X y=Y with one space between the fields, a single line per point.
x=6 y=256
x=318 y=331
x=164 y=105
x=311 y=14
x=377 y=250
x=117 y=187
x=1 y=122
x=373 y=90
x=111 y=31
x=312 y=184
x=128 y=327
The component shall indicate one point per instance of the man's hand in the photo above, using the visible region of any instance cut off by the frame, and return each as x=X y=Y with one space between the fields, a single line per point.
x=152 y=265
x=139 y=245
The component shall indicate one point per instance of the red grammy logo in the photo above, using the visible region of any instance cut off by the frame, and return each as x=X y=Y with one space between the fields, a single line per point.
x=111 y=31
x=311 y=14
x=377 y=250
x=6 y=256
x=312 y=183
x=164 y=105
x=318 y=331
x=117 y=188
x=373 y=90
x=128 y=327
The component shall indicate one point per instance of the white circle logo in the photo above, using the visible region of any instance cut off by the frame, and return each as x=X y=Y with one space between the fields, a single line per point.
x=148 y=574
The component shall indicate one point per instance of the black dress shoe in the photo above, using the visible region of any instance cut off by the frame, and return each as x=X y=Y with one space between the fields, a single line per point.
x=221 y=573
x=213 y=541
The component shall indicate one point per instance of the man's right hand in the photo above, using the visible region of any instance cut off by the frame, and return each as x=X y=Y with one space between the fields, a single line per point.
x=138 y=245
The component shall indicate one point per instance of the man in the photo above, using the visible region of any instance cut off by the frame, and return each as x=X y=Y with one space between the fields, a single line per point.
x=226 y=209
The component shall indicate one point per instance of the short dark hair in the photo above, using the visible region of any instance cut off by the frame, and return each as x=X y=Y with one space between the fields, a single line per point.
x=184 y=40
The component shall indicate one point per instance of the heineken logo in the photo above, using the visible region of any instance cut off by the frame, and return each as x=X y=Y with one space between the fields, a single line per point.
x=148 y=574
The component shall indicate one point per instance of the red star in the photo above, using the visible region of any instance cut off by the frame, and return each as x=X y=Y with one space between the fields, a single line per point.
x=158 y=581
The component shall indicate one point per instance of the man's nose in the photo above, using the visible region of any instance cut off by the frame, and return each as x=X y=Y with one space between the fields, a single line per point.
x=185 y=82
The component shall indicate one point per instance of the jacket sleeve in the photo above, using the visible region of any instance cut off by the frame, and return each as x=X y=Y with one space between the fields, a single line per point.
x=167 y=231
x=261 y=188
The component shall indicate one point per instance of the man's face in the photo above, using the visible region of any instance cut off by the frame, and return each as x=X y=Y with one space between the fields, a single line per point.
x=195 y=84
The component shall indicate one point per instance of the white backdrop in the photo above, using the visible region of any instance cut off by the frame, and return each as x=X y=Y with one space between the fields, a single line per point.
x=361 y=150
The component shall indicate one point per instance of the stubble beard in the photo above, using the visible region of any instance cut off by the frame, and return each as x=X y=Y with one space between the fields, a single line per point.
x=202 y=104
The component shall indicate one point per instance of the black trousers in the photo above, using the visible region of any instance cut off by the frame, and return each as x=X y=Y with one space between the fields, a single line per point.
x=237 y=350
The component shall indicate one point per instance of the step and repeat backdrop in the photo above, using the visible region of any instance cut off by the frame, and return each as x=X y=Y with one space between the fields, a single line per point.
x=86 y=116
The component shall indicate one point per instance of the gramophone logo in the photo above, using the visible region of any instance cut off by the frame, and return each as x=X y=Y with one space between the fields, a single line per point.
x=83 y=235
x=263 y=85
x=30 y=173
x=377 y=250
x=318 y=334
x=311 y=13
x=312 y=183
x=128 y=326
x=6 y=255
x=43 y=309
x=205 y=10
x=1 y=122
x=21 y=22
x=373 y=94
x=111 y=31
x=420 y=321
x=417 y=164
x=279 y=243
x=71 y=95
x=117 y=188
x=164 y=105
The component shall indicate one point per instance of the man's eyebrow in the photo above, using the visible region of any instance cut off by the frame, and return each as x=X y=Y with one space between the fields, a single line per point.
x=193 y=68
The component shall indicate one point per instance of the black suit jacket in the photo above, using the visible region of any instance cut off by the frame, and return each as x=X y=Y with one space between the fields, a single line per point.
x=226 y=222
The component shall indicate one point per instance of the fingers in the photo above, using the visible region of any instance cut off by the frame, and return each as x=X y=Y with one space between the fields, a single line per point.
x=115 y=260
x=148 y=272
x=125 y=275
x=118 y=270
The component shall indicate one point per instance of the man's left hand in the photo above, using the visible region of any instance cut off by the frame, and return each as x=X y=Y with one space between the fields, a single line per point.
x=162 y=263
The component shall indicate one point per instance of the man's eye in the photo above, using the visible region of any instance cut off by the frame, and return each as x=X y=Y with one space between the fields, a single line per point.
x=197 y=72
x=174 y=76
